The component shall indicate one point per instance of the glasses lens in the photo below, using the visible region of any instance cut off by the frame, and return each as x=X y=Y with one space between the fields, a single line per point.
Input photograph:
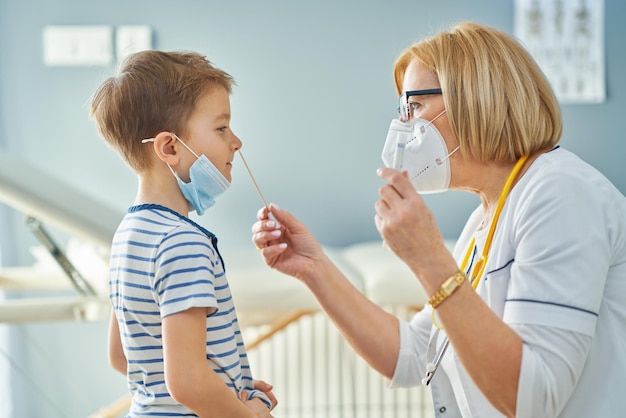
x=403 y=110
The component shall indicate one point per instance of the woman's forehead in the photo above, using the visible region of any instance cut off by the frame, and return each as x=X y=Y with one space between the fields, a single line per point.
x=417 y=76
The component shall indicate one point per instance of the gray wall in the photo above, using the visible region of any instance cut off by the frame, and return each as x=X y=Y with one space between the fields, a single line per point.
x=313 y=101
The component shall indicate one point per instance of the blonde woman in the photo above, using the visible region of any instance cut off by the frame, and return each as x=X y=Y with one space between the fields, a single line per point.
x=526 y=317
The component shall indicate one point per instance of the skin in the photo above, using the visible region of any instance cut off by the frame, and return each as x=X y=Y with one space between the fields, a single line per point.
x=489 y=349
x=189 y=377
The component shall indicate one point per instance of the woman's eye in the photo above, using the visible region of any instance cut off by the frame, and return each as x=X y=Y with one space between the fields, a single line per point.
x=414 y=106
x=222 y=128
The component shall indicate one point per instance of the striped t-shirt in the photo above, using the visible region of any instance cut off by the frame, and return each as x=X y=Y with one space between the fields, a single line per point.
x=163 y=263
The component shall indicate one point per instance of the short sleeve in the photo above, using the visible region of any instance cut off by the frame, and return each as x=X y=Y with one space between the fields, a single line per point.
x=185 y=271
x=412 y=356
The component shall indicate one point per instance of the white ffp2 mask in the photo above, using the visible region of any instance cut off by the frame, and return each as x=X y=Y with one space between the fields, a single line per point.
x=418 y=148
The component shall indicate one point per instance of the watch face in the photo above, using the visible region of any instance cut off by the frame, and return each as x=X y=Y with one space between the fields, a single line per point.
x=452 y=283
x=449 y=286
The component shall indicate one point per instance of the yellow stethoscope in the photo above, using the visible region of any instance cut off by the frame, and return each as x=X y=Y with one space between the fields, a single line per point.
x=479 y=267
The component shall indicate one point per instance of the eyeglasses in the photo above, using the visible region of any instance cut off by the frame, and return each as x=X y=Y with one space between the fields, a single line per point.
x=406 y=109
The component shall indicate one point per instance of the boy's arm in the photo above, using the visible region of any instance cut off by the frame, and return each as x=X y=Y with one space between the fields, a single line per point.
x=117 y=358
x=190 y=379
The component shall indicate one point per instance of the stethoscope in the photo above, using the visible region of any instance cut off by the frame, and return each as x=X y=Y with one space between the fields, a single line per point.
x=478 y=268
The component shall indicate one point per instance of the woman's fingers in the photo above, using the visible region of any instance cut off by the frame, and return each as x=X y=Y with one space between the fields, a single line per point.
x=265 y=226
x=266 y=232
x=263 y=213
x=398 y=184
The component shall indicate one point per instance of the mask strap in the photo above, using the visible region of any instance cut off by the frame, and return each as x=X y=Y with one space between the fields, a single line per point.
x=185 y=145
x=423 y=127
x=440 y=161
x=437 y=117
x=145 y=141
x=172 y=170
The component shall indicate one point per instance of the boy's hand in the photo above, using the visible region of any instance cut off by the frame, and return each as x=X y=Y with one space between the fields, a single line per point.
x=255 y=405
x=267 y=389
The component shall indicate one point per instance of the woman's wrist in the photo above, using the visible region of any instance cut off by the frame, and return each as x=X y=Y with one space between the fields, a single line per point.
x=447 y=288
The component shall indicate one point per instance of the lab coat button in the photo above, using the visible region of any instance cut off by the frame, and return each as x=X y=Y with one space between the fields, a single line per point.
x=442 y=409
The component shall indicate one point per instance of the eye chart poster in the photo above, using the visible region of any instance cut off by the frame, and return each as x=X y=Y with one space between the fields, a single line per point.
x=566 y=38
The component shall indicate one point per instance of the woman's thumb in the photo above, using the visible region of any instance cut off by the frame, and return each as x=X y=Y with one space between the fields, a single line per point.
x=283 y=217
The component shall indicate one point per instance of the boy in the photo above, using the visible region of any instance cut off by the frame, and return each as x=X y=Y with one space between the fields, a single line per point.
x=174 y=329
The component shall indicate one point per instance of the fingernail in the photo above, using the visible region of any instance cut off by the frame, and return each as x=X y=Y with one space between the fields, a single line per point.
x=275 y=233
x=275 y=206
x=378 y=171
x=270 y=224
x=282 y=245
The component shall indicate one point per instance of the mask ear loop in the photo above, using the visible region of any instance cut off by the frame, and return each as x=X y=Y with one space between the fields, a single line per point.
x=423 y=127
x=440 y=161
x=185 y=145
x=145 y=141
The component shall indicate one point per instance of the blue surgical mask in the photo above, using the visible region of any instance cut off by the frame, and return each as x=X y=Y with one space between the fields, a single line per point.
x=206 y=182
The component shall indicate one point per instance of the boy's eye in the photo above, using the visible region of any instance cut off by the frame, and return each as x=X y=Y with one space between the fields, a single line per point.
x=222 y=128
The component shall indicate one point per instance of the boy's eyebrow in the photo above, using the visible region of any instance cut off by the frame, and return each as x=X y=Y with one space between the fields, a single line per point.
x=225 y=115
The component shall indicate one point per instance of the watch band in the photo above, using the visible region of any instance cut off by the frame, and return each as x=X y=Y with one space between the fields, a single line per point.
x=447 y=288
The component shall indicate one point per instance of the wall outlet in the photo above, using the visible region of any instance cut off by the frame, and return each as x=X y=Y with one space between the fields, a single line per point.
x=78 y=45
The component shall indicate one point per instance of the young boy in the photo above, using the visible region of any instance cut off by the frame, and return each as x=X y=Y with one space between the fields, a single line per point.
x=174 y=329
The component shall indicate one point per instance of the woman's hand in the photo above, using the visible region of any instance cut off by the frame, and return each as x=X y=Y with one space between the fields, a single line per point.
x=285 y=243
x=408 y=226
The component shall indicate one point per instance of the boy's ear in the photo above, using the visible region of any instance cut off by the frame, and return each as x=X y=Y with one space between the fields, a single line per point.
x=166 y=148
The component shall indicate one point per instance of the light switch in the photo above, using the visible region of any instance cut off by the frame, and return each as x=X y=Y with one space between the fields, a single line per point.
x=131 y=39
x=78 y=45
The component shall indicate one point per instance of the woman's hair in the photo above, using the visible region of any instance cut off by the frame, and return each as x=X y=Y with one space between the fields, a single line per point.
x=153 y=91
x=499 y=104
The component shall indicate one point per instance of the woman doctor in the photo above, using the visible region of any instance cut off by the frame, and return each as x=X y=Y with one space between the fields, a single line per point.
x=527 y=317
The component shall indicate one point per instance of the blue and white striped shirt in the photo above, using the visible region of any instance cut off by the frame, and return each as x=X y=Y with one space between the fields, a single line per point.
x=163 y=263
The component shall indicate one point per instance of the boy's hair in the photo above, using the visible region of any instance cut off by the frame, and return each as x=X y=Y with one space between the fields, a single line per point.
x=499 y=103
x=153 y=91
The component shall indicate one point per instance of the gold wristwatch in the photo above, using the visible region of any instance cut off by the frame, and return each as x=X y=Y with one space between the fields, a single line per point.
x=447 y=288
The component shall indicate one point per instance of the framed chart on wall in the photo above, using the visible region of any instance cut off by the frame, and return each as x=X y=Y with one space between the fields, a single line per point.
x=566 y=37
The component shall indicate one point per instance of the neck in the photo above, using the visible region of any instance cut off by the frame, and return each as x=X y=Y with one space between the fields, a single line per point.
x=490 y=183
x=162 y=189
x=487 y=181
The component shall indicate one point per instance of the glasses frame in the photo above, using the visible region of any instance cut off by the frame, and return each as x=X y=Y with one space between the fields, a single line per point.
x=404 y=113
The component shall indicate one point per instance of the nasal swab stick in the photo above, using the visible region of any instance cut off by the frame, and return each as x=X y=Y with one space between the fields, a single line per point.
x=254 y=181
